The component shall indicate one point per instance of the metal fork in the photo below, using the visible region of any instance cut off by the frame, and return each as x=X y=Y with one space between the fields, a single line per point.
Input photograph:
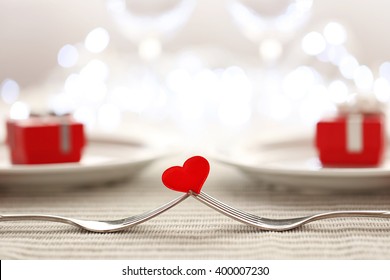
x=98 y=226
x=279 y=224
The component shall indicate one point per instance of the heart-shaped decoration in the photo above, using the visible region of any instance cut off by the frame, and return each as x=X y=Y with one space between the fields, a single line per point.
x=190 y=177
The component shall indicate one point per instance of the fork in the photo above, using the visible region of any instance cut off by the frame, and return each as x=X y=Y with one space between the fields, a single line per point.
x=279 y=224
x=98 y=226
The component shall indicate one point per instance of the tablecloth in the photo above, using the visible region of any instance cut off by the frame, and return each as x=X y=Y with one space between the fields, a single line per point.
x=191 y=230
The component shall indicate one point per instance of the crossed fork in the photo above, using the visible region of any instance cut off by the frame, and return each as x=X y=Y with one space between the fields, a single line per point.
x=190 y=179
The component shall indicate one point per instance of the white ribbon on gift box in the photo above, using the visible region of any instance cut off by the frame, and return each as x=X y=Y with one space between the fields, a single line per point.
x=355 y=109
x=65 y=137
x=354 y=127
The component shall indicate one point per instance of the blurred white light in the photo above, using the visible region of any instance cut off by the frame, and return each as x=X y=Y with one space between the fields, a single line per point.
x=230 y=89
x=270 y=49
x=190 y=61
x=319 y=91
x=207 y=83
x=382 y=89
x=315 y=106
x=348 y=66
x=313 y=43
x=161 y=99
x=85 y=115
x=68 y=56
x=135 y=98
x=93 y=92
x=9 y=91
x=190 y=103
x=84 y=89
x=278 y=107
x=109 y=117
x=234 y=114
x=384 y=70
x=119 y=96
x=236 y=84
x=72 y=83
x=363 y=78
x=257 y=17
x=191 y=107
x=95 y=70
x=336 y=54
x=97 y=40
x=338 y=91
x=303 y=5
x=19 y=111
x=335 y=33
x=149 y=49
x=296 y=83
x=179 y=80
x=61 y=103
x=246 y=19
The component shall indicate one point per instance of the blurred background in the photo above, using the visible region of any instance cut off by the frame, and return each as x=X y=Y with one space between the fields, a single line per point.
x=194 y=70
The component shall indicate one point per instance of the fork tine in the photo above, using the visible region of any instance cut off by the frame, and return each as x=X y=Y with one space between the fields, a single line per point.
x=232 y=213
x=97 y=226
x=250 y=219
x=228 y=210
x=216 y=203
x=279 y=224
x=232 y=209
x=150 y=214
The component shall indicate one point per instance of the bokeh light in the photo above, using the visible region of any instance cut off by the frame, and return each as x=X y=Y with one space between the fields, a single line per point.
x=86 y=115
x=338 y=91
x=382 y=89
x=278 y=107
x=297 y=83
x=95 y=70
x=149 y=48
x=68 y=56
x=348 y=66
x=97 y=40
x=313 y=43
x=335 y=33
x=19 y=111
x=270 y=49
x=234 y=114
x=316 y=105
x=384 y=70
x=363 y=78
x=9 y=91
x=109 y=117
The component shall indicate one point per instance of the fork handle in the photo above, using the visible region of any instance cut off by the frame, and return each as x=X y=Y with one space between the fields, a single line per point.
x=35 y=217
x=281 y=224
x=343 y=214
x=39 y=217
x=287 y=224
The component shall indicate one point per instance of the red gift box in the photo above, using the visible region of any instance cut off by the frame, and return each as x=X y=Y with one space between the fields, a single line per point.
x=353 y=139
x=45 y=139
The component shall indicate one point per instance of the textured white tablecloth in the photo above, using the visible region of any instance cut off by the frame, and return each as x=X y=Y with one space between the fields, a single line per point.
x=191 y=230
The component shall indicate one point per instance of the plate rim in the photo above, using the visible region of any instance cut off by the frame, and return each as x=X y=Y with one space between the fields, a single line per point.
x=63 y=168
x=334 y=172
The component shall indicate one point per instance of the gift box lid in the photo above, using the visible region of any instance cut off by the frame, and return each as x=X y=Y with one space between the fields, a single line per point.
x=45 y=121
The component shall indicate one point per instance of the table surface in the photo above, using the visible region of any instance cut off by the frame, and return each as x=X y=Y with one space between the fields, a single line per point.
x=191 y=230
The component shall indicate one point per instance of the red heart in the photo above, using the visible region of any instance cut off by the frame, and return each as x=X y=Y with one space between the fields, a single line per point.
x=190 y=177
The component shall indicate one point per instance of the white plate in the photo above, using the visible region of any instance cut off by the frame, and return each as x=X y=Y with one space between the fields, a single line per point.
x=104 y=160
x=294 y=163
